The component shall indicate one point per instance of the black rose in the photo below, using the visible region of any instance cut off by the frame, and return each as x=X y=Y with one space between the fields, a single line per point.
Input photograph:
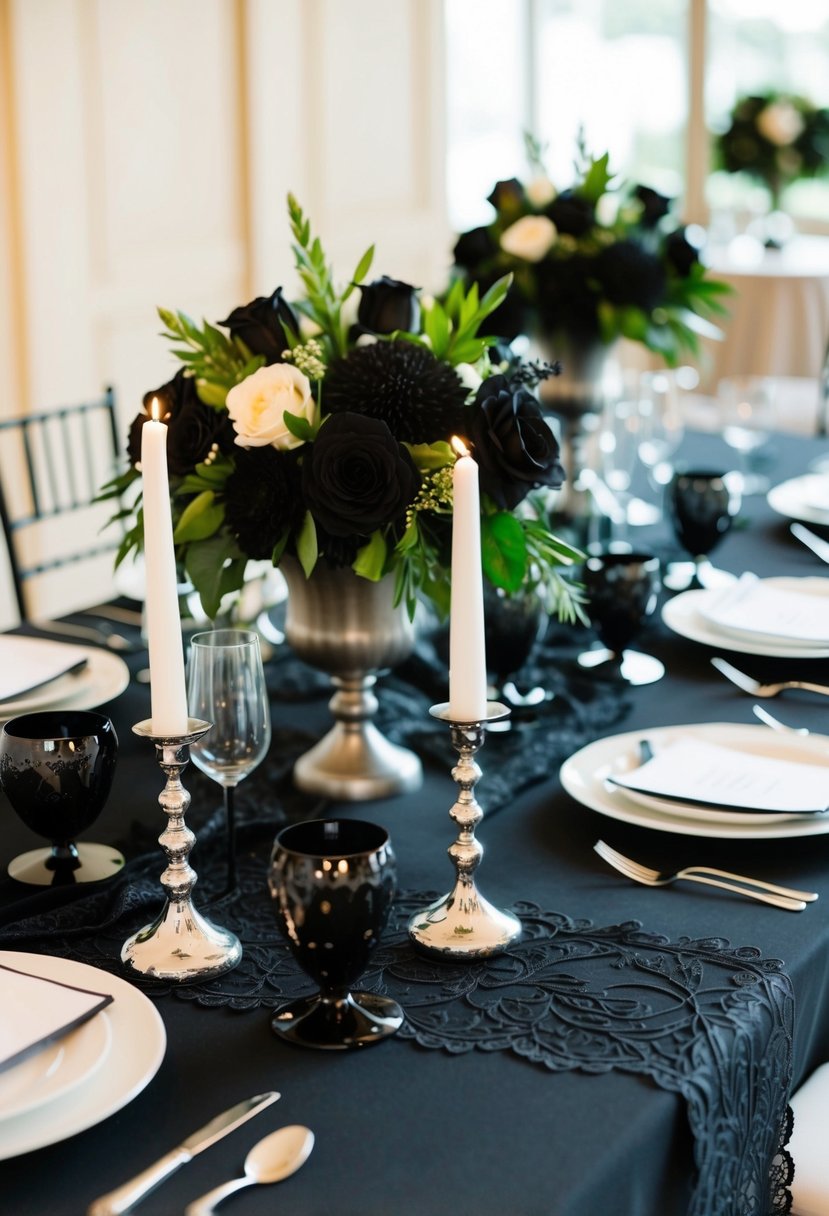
x=356 y=477
x=387 y=305
x=474 y=247
x=567 y=294
x=631 y=275
x=263 y=325
x=515 y=449
x=193 y=427
x=507 y=197
x=679 y=251
x=571 y=214
x=655 y=206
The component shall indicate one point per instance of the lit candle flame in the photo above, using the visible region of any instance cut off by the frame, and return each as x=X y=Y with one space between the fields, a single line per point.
x=155 y=409
x=460 y=447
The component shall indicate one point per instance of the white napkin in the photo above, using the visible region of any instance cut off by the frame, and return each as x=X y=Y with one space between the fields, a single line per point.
x=29 y=663
x=751 y=606
x=692 y=770
x=35 y=1011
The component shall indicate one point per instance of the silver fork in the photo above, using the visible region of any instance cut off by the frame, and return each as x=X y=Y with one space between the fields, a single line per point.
x=817 y=544
x=756 y=689
x=769 y=720
x=767 y=892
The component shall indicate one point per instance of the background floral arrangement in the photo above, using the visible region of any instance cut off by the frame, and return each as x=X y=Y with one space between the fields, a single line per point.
x=776 y=138
x=336 y=446
x=591 y=263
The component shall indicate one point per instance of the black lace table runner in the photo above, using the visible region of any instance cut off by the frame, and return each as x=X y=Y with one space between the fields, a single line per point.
x=701 y=1018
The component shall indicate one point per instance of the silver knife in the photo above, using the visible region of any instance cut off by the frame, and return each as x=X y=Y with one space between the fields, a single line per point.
x=817 y=544
x=125 y=1197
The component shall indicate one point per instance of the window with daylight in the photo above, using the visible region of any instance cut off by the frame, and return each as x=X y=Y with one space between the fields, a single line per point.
x=651 y=81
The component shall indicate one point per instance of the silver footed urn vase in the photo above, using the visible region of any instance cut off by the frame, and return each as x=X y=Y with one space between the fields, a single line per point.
x=349 y=627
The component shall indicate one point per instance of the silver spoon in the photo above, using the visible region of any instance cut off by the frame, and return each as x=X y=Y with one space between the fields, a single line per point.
x=271 y=1160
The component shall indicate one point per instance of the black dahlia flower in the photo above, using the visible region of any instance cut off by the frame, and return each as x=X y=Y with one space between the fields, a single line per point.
x=262 y=499
x=400 y=383
x=631 y=275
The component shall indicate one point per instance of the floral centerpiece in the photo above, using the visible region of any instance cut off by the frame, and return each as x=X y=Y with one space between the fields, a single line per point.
x=590 y=263
x=776 y=138
x=293 y=431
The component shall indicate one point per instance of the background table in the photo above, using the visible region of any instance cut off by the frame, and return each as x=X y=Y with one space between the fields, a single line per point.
x=423 y=1133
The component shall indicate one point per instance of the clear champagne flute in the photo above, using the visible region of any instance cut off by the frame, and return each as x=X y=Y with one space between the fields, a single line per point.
x=747 y=414
x=227 y=688
x=662 y=426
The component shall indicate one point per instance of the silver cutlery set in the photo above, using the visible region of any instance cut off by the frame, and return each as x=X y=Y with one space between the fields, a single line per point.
x=273 y=1159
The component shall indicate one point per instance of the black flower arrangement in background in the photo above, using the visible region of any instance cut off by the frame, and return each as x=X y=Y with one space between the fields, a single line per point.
x=296 y=431
x=775 y=138
x=590 y=263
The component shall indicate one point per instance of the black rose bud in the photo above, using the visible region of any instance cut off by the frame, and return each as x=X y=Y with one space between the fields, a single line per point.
x=655 y=206
x=474 y=247
x=387 y=305
x=263 y=325
x=571 y=214
x=631 y=275
x=515 y=449
x=507 y=197
x=356 y=477
x=679 y=251
x=193 y=427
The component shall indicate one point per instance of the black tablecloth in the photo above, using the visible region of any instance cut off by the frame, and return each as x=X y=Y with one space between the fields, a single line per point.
x=406 y=1130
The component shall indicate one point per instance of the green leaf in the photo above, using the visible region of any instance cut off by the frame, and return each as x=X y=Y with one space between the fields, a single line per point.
x=431 y=455
x=279 y=547
x=596 y=180
x=201 y=518
x=360 y=273
x=503 y=550
x=370 y=561
x=307 y=549
x=437 y=329
x=210 y=393
x=204 y=563
x=299 y=427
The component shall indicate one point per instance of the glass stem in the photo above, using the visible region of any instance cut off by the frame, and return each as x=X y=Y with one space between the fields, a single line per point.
x=230 y=825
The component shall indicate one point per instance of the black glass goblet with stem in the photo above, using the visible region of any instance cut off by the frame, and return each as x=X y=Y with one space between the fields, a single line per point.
x=513 y=626
x=56 y=769
x=332 y=883
x=622 y=591
x=702 y=505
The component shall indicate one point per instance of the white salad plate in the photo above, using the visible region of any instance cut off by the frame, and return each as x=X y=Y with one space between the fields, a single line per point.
x=584 y=777
x=136 y=1051
x=684 y=614
x=805 y=498
x=103 y=679
x=56 y=1069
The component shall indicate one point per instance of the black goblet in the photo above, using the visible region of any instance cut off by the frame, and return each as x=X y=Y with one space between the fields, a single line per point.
x=622 y=590
x=513 y=624
x=333 y=882
x=702 y=505
x=56 y=769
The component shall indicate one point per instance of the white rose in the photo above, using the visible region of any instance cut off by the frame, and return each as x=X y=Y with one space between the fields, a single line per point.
x=529 y=238
x=540 y=191
x=779 y=123
x=469 y=377
x=257 y=406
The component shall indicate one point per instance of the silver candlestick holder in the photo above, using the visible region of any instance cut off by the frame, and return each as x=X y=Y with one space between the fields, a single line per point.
x=462 y=924
x=180 y=945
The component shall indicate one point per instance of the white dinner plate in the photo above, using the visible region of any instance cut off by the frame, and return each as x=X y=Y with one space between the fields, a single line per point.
x=583 y=777
x=56 y=1069
x=683 y=614
x=802 y=498
x=135 y=1055
x=104 y=678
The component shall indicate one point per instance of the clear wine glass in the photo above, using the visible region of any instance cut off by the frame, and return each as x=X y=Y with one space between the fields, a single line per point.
x=662 y=426
x=227 y=688
x=746 y=405
x=618 y=453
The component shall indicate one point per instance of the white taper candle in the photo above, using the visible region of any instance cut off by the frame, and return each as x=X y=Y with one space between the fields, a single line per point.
x=168 y=695
x=467 y=651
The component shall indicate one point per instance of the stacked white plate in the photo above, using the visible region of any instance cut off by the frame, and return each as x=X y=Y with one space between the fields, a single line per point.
x=103 y=677
x=805 y=498
x=79 y=1080
x=585 y=776
x=704 y=616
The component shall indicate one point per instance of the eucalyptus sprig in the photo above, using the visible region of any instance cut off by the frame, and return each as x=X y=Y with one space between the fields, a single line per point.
x=324 y=303
x=216 y=361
